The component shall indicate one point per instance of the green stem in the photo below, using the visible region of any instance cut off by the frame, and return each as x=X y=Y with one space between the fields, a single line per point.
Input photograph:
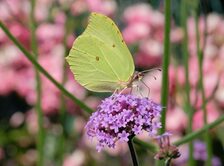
x=133 y=152
x=62 y=112
x=168 y=162
x=185 y=52
x=201 y=87
x=185 y=139
x=166 y=57
x=165 y=66
x=41 y=132
x=195 y=134
x=152 y=147
x=43 y=71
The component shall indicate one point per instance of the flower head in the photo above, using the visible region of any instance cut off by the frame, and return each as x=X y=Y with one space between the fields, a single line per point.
x=120 y=117
x=167 y=151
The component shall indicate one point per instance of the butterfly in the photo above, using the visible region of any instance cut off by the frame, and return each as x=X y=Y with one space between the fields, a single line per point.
x=99 y=58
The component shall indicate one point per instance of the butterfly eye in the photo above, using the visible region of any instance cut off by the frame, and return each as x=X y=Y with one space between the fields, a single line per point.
x=113 y=45
x=97 y=58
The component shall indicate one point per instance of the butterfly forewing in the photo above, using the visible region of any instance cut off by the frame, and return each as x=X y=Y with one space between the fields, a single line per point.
x=99 y=58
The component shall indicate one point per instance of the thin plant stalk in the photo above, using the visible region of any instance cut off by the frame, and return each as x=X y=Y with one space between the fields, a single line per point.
x=41 y=132
x=133 y=152
x=168 y=162
x=32 y=59
x=62 y=112
x=188 y=108
x=199 y=132
x=165 y=67
x=201 y=87
x=189 y=137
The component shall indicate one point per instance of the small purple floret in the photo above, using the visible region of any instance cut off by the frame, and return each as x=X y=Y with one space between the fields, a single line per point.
x=121 y=116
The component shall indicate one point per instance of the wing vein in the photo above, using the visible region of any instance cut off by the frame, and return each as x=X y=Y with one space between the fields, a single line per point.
x=109 y=63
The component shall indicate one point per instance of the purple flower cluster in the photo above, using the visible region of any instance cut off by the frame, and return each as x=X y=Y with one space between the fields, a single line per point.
x=120 y=117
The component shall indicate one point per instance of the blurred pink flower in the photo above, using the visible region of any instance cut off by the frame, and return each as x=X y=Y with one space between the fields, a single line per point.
x=48 y=36
x=70 y=40
x=43 y=7
x=212 y=115
x=31 y=122
x=176 y=35
x=11 y=8
x=176 y=119
x=16 y=119
x=144 y=27
x=6 y=84
x=92 y=102
x=78 y=7
x=213 y=22
x=140 y=13
x=20 y=32
x=136 y=32
x=149 y=54
x=106 y=7
x=77 y=158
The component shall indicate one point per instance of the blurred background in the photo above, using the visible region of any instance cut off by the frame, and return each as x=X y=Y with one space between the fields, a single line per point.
x=58 y=23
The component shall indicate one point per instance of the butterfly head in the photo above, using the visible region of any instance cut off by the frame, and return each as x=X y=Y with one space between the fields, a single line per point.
x=137 y=76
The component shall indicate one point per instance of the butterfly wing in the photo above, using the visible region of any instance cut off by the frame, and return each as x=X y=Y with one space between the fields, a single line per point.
x=99 y=58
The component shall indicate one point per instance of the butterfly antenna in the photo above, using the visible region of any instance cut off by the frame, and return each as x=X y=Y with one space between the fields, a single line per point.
x=149 y=70
x=154 y=69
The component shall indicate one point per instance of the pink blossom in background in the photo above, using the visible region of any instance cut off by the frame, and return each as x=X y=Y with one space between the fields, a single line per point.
x=92 y=102
x=17 y=71
x=107 y=7
x=136 y=32
x=11 y=8
x=77 y=158
x=214 y=21
x=31 y=122
x=43 y=7
x=20 y=32
x=17 y=119
x=144 y=27
x=48 y=36
x=78 y=7
x=70 y=40
x=140 y=13
x=149 y=53
x=176 y=120
x=212 y=115
x=176 y=35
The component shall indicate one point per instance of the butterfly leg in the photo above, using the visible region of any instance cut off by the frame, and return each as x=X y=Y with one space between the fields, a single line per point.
x=123 y=90
x=116 y=91
x=138 y=90
x=146 y=87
